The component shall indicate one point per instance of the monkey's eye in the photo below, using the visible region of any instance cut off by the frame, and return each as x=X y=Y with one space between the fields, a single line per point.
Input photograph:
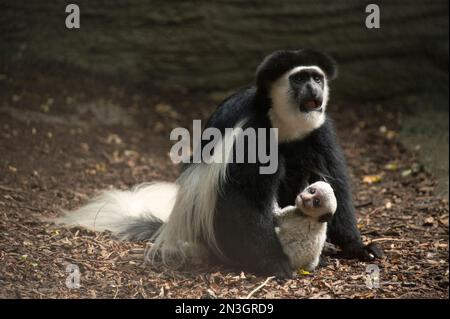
x=312 y=190
x=317 y=79
x=316 y=202
x=299 y=77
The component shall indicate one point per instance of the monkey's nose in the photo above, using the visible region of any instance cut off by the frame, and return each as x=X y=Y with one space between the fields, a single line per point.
x=305 y=198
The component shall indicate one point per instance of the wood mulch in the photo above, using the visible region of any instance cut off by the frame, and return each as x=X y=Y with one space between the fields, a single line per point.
x=63 y=140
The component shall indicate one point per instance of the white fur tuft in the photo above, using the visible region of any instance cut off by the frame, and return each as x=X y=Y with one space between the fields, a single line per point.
x=186 y=207
x=112 y=210
x=191 y=223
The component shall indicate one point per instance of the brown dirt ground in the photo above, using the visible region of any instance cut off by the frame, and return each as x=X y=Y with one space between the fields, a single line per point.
x=62 y=140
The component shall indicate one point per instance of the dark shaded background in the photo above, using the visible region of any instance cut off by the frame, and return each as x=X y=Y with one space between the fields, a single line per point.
x=216 y=46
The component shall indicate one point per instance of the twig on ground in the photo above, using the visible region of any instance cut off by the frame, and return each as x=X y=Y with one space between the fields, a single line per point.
x=13 y=190
x=259 y=287
x=389 y=239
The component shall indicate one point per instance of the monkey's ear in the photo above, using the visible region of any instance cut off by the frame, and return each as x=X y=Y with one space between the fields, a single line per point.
x=321 y=59
x=273 y=66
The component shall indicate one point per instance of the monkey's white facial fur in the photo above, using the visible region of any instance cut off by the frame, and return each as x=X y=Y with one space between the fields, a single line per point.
x=299 y=99
x=318 y=201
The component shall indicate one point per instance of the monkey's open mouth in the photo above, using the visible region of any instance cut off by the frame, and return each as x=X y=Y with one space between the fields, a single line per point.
x=312 y=104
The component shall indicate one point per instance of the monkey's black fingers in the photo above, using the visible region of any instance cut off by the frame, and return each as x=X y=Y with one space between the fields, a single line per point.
x=285 y=273
x=323 y=261
x=375 y=250
x=329 y=249
x=365 y=253
x=279 y=269
x=357 y=251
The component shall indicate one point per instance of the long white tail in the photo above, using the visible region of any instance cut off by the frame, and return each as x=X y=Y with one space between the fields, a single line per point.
x=178 y=216
x=121 y=212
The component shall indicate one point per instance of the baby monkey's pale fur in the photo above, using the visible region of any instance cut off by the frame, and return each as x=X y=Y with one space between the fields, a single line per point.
x=302 y=229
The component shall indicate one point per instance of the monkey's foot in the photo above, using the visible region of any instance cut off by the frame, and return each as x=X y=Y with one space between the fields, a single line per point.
x=279 y=269
x=364 y=253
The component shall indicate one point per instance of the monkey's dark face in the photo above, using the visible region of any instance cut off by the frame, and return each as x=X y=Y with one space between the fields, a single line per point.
x=307 y=88
x=299 y=99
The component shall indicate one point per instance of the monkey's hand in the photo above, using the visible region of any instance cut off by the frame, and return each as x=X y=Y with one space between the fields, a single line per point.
x=361 y=252
x=281 y=269
x=282 y=215
x=374 y=250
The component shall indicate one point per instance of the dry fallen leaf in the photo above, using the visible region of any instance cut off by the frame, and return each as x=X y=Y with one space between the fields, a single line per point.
x=390 y=135
x=391 y=166
x=100 y=167
x=371 y=179
x=114 y=139
x=429 y=221
x=12 y=169
x=45 y=108
x=303 y=272
x=406 y=173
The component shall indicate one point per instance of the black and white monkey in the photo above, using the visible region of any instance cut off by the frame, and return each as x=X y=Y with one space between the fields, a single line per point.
x=229 y=208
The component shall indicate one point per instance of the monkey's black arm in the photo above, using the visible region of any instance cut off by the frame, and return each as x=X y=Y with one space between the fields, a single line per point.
x=247 y=237
x=244 y=222
x=343 y=230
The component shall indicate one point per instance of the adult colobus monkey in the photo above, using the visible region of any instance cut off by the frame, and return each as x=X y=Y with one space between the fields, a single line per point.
x=229 y=207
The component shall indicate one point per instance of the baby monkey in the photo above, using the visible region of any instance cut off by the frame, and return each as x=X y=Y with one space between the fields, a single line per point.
x=302 y=229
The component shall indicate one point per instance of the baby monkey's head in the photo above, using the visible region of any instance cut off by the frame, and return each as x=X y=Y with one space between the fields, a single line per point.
x=317 y=200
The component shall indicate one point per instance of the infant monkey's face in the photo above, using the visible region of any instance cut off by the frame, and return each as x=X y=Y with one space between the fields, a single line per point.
x=317 y=200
